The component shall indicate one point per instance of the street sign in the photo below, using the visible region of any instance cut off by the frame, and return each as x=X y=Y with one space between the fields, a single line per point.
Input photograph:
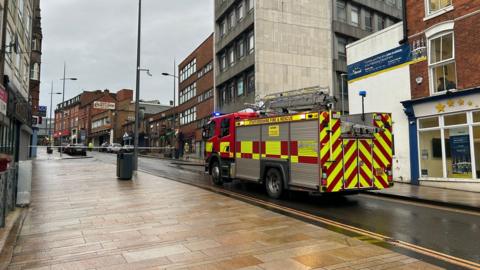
x=3 y=100
x=42 y=111
x=103 y=105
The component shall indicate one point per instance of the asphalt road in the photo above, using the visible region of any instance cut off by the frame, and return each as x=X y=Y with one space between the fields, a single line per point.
x=449 y=231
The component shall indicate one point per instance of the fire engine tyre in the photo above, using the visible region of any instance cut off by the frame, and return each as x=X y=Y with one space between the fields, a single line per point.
x=216 y=174
x=274 y=183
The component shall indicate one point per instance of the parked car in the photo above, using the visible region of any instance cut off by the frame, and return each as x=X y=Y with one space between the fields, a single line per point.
x=114 y=148
x=104 y=147
x=77 y=149
x=128 y=148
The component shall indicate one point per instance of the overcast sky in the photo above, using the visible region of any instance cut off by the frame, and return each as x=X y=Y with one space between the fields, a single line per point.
x=97 y=40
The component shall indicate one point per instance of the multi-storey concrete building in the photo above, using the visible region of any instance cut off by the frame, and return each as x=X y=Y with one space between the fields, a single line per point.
x=195 y=96
x=270 y=46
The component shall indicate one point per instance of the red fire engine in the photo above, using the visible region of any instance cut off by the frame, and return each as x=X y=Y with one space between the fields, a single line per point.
x=319 y=151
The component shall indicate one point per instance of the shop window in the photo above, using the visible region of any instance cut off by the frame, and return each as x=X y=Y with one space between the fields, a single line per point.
x=458 y=158
x=430 y=145
x=428 y=122
x=455 y=119
x=442 y=63
x=436 y=5
x=476 y=117
x=476 y=147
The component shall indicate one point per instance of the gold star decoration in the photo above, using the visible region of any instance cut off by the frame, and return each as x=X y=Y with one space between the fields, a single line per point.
x=440 y=107
x=461 y=102
x=450 y=103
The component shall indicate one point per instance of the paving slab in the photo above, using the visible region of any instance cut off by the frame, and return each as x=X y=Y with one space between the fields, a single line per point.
x=82 y=217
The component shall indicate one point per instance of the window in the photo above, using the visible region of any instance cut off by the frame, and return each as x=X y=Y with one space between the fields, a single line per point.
x=354 y=15
x=380 y=23
x=368 y=21
x=341 y=48
x=341 y=10
x=225 y=128
x=251 y=82
x=188 y=116
x=231 y=57
x=251 y=42
x=223 y=62
x=251 y=4
x=232 y=19
x=445 y=146
x=223 y=27
x=240 y=11
x=241 y=48
x=188 y=70
x=240 y=90
x=442 y=63
x=188 y=93
x=437 y=5
x=21 y=8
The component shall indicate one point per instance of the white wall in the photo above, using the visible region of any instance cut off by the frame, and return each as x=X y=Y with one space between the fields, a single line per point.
x=385 y=91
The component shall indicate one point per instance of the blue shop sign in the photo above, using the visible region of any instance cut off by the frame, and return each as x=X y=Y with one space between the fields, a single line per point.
x=380 y=62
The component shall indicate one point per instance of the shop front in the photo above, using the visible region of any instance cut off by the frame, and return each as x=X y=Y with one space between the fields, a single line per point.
x=445 y=140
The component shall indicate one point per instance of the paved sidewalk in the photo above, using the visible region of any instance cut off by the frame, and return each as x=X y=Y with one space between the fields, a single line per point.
x=81 y=217
x=439 y=196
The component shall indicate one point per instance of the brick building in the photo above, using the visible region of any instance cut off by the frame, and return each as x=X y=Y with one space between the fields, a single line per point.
x=444 y=113
x=195 y=96
x=104 y=125
x=161 y=131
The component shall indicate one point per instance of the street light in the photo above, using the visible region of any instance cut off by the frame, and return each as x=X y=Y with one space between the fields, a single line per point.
x=51 y=105
x=174 y=92
x=137 y=89
x=63 y=101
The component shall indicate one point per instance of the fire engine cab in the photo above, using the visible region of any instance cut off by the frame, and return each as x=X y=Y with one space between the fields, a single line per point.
x=320 y=151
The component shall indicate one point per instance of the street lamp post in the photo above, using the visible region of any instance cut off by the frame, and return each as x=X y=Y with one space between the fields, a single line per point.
x=63 y=104
x=137 y=90
x=51 y=105
x=175 y=77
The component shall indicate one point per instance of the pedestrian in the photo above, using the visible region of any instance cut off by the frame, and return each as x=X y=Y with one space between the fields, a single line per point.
x=90 y=146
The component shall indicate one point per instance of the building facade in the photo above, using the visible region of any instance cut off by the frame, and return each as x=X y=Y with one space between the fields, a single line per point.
x=379 y=65
x=444 y=112
x=265 y=47
x=162 y=134
x=195 y=97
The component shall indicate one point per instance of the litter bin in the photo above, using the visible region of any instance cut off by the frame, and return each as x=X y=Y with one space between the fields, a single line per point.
x=124 y=166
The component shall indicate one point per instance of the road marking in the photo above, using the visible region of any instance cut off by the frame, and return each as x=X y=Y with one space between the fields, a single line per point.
x=374 y=237
x=423 y=204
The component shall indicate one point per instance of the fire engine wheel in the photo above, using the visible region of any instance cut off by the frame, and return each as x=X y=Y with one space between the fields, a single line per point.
x=216 y=174
x=274 y=183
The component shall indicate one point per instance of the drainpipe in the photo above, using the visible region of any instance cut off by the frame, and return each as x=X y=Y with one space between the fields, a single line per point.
x=405 y=24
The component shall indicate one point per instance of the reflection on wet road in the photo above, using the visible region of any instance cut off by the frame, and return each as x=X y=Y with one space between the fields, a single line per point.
x=448 y=231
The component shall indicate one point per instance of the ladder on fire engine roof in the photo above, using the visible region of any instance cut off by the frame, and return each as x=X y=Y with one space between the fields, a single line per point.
x=305 y=99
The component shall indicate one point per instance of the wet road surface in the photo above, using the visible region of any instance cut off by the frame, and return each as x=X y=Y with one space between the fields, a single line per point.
x=450 y=231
